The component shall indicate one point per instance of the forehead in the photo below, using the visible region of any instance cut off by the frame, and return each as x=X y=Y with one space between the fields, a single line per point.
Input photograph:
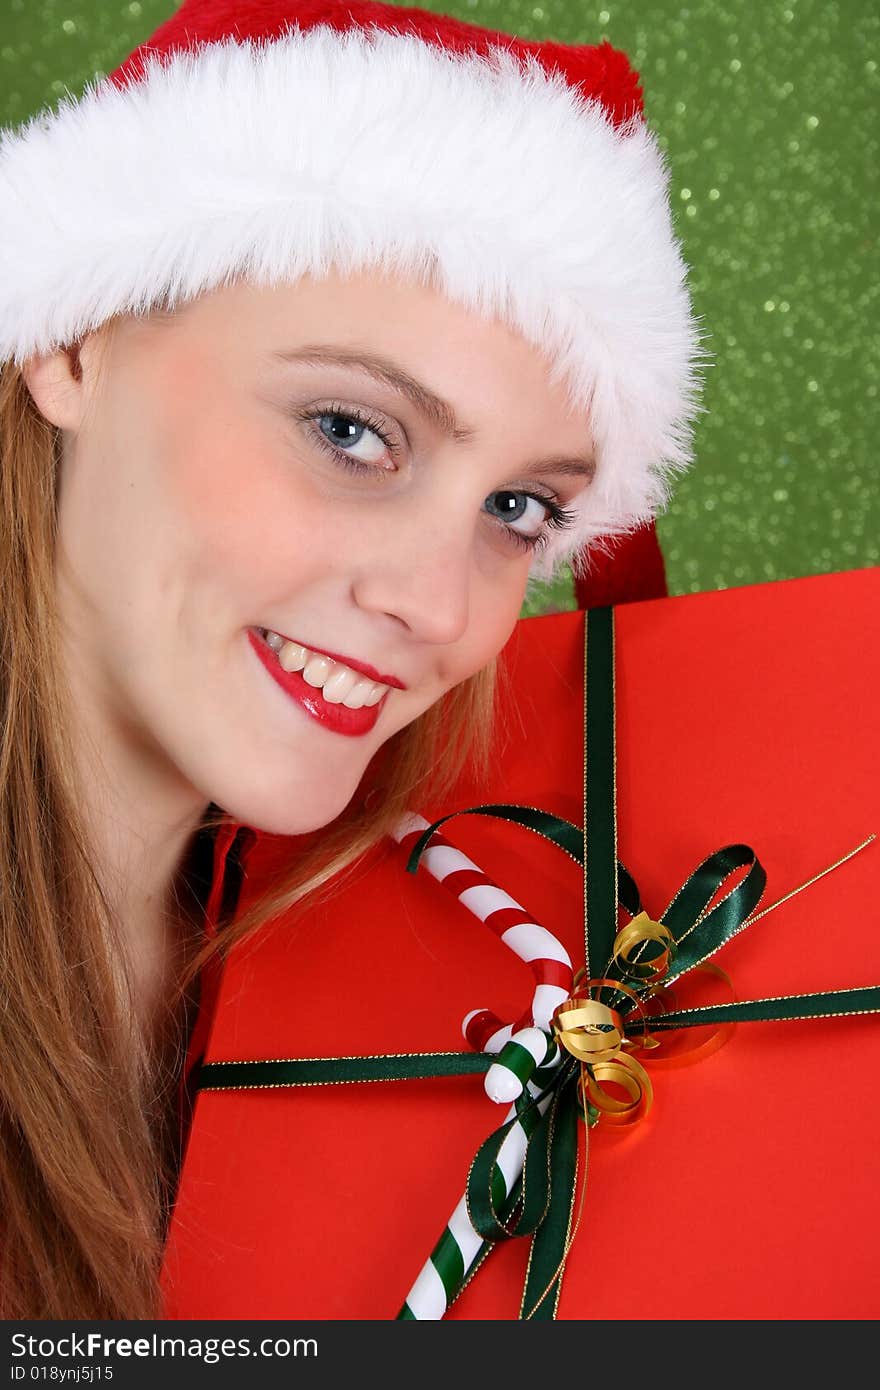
x=478 y=362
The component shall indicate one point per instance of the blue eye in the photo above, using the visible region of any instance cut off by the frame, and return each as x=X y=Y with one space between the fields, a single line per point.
x=513 y=506
x=349 y=432
x=527 y=516
x=341 y=429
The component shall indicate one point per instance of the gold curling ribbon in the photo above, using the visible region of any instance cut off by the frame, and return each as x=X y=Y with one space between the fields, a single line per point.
x=594 y=1034
x=636 y=935
x=590 y=1031
x=628 y=1074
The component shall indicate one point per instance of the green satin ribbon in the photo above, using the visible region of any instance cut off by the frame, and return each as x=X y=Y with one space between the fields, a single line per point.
x=541 y=1203
x=322 y=1071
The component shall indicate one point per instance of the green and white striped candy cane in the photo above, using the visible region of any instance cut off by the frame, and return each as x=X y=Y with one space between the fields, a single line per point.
x=460 y=1246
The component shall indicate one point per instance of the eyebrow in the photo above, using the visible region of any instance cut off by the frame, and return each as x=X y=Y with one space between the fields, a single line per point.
x=438 y=411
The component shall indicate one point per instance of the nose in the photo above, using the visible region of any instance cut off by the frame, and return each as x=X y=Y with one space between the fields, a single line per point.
x=421 y=578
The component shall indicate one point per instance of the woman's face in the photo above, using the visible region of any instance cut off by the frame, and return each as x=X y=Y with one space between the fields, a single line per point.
x=283 y=460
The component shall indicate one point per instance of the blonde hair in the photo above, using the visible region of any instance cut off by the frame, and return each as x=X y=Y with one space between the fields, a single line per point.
x=88 y=1134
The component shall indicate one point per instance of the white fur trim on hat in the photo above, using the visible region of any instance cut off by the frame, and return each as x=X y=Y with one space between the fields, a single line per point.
x=273 y=160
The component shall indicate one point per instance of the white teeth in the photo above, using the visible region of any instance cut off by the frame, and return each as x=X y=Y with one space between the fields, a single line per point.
x=357 y=696
x=338 y=684
x=317 y=669
x=364 y=693
x=292 y=656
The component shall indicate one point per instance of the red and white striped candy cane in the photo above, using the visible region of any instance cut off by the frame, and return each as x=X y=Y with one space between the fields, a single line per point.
x=547 y=958
x=526 y=1043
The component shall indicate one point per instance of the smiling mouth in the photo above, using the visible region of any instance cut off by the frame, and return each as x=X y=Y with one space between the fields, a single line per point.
x=335 y=717
x=338 y=684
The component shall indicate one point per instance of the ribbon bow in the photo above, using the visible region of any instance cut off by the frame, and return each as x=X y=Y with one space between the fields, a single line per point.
x=599 y=1027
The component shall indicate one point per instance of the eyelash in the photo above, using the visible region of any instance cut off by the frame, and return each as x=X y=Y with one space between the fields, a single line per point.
x=359 y=417
x=560 y=518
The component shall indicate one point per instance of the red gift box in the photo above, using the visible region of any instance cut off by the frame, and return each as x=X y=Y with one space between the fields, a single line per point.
x=749 y=1191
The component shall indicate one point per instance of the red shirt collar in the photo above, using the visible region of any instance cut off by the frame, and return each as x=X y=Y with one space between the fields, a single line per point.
x=221 y=903
x=224 y=838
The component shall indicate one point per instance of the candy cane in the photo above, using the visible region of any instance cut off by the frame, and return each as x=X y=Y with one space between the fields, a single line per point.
x=520 y=1049
x=460 y=1246
x=548 y=959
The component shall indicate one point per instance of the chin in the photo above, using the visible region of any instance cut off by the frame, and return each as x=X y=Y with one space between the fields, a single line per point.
x=289 y=811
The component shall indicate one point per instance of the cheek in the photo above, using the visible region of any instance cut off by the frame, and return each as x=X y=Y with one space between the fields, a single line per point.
x=229 y=478
x=494 y=610
x=221 y=489
x=257 y=525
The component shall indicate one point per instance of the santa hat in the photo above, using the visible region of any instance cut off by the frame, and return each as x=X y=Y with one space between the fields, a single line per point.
x=276 y=138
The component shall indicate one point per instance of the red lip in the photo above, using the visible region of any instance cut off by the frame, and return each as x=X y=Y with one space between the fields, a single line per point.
x=362 y=666
x=353 y=723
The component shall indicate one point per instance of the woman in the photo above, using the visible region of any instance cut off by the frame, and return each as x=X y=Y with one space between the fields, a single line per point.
x=320 y=342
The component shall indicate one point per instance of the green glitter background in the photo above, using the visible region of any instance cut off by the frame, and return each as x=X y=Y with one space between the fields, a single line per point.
x=768 y=114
